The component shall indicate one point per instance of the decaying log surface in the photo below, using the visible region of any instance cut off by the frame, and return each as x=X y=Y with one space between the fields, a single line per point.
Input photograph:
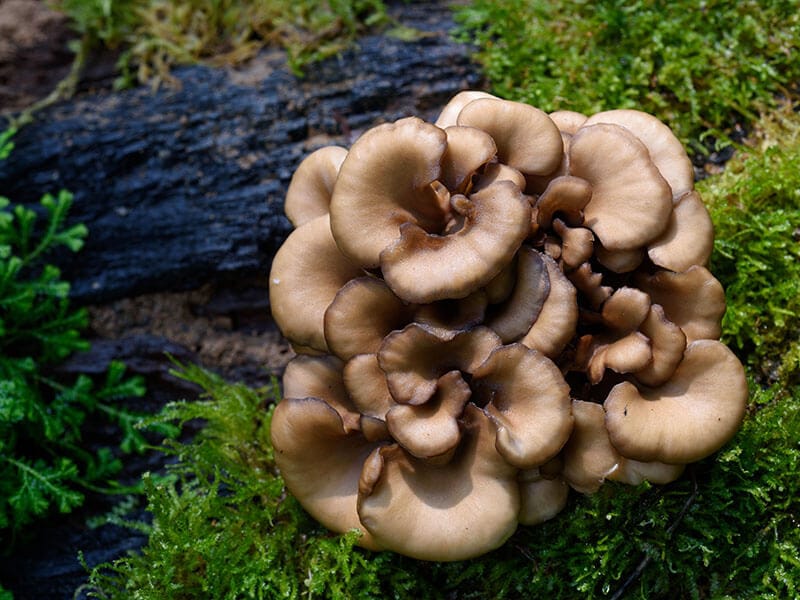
x=185 y=186
x=182 y=188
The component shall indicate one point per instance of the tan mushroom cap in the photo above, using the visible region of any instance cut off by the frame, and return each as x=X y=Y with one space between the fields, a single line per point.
x=626 y=309
x=431 y=430
x=414 y=358
x=320 y=377
x=577 y=243
x=423 y=268
x=667 y=344
x=688 y=239
x=526 y=395
x=385 y=181
x=588 y=456
x=566 y=194
x=634 y=472
x=468 y=149
x=628 y=354
x=619 y=261
x=309 y=193
x=526 y=138
x=363 y=311
x=460 y=314
x=555 y=325
x=516 y=316
x=665 y=150
x=540 y=499
x=306 y=274
x=321 y=462
x=689 y=417
x=441 y=512
x=694 y=300
x=366 y=385
x=498 y=172
x=449 y=115
x=568 y=121
x=631 y=201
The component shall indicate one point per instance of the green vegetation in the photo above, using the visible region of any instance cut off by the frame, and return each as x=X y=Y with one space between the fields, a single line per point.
x=224 y=527
x=43 y=464
x=701 y=66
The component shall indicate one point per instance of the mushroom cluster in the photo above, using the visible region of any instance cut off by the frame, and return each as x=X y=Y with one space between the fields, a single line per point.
x=488 y=311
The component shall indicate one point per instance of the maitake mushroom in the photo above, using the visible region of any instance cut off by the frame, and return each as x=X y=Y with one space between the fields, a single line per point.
x=491 y=310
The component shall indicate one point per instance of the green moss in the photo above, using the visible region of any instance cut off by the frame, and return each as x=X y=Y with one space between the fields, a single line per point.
x=698 y=65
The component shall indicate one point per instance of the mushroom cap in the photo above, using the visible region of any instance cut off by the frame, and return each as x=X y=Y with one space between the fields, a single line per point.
x=687 y=418
x=631 y=201
x=423 y=268
x=449 y=115
x=667 y=342
x=568 y=121
x=363 y=311
x=441 y=512
x=588 y=456
x=555 y=325
x=468 y=149
x=321 y=462
x=625 y=310
x=414 y=358
x=634 y=472
x=665 y=150
x=688 y=238
x=498 y=172
x=306 y=274
x=366 y=385
x=457 y=314
x=385 y=181
x=517 y=314
x=694 y=300
x=526 y=138
x=526 y=395
x=629 y=354
x=577 y=243
x=309 y=193
x=541 y=499
x=565 y=194
x=619 y=261
x=590 y=284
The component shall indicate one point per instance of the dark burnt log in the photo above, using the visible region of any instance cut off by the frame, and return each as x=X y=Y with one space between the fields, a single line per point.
x=185 y=186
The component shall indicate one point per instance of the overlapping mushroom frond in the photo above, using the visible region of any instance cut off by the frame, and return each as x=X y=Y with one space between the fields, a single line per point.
x=491 y=310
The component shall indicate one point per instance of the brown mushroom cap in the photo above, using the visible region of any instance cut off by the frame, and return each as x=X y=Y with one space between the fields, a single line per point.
x=619 y=261
x=694 y=300
x=577 y=244
x=309 y=193
x=590 y=284
x=541 y=499
x=431 y=430
x=423 y=268
x=588 y=456
x=688 y=239
x=526 y=138
x=459 y=314
x=628 y=354
x=366 y=385
x=566 y=194
x=441 y=512
x=631 y=202
x=498 y=172
x=468 y=149
x=385 y=181
x=363 y=311
x=555 y=325
x=306 y=274
x=524 y=392
x=689 y=417
x=666 y=151
x=568 y=121
x=626 y=309
x=414 y=358
x=634 y=472
x=667 y=343
x=516 y=316
x=449 y=115
x=321 y=462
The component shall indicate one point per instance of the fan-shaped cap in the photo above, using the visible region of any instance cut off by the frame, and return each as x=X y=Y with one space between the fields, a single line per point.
x=449 y=115
x=688 y=239
x=309 y=193
x=468 y=149
x=441 y=512
x=541 y=499
x=690 y=416
x=568 y=121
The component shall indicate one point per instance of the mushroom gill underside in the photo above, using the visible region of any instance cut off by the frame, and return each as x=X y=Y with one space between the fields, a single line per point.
x=492 y=310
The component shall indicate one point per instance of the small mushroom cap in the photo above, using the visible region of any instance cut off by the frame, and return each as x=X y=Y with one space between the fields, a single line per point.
x=423 y=268
x=526 y=138
x=634 y=472
x=442 y=512
x=309 y=193
x=363 y=311
x=619 y=261
x=589 y=456
x=385 y=181
x=689 y=417
x=668 y=343
x=577 y=243
x=457 y=315
x=321 y=462
x=590 y=284
x=566 y=194
x=366 y=385
x=516 y=316
x=468 y=149
x=568 y=121
x=498 y=172
x=628 y=354
x=449 y=115
x=431 y=430
x=555 y=325
x=414 y=358
x=688 y=239
x=694 y=300
x=524 y=392
x=626 y=309
x=541 y=499
x=306 y=274
x=631 y=201
x=665 y=150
